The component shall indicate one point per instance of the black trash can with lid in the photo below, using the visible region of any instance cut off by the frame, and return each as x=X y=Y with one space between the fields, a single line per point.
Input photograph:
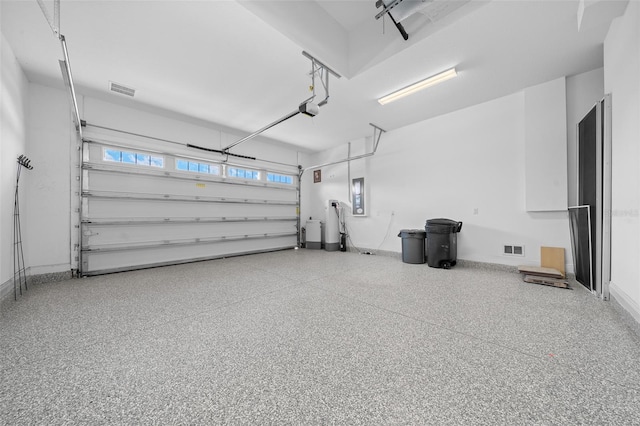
x=413 y=245
x=442 y=244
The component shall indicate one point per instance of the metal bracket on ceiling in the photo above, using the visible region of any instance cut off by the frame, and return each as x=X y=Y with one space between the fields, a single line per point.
x=317 y=68
x=386 y=10
x=387 y=7
x=54 y=22
x=376 y=141
x=322 y=71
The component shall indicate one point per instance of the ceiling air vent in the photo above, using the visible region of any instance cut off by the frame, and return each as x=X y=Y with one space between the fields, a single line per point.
x=123 y=90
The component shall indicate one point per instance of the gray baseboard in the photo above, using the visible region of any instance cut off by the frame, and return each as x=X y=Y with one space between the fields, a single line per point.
x=628 y=314
x=7 y=290
x=332 y=246
x=459 y=263
x=486 y=265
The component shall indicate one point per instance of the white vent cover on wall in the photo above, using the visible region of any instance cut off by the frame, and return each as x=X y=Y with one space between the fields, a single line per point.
x=513 y=250
x=123 y=90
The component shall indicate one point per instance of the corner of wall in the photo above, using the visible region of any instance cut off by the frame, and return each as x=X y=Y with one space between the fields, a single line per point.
x=625 y=301
x=621 y=70
x=14 y=87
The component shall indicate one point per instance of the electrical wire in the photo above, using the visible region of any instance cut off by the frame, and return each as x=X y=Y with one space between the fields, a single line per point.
x=347 y=232
x=340 y=220
x=386 y=235
x=342 y=228
x=354 y=246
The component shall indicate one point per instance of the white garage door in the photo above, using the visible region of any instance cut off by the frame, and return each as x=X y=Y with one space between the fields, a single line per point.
x=143 y=208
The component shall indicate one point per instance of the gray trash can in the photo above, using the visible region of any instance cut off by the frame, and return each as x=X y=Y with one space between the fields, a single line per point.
x=413 y=245
x=442 y=243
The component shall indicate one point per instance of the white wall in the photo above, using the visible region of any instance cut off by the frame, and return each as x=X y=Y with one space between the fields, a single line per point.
x=14 y=89
x=546 y=146
x=334 y=183
x=622 y=80
x=583 y=91
x=466 y=166
x=164 y=125
x=47 y=226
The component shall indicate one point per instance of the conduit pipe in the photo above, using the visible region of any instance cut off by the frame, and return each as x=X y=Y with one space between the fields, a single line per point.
x=350 y=195
x=376 y=141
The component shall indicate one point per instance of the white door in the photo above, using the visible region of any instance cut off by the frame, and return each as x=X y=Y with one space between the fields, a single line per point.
x=143 y=208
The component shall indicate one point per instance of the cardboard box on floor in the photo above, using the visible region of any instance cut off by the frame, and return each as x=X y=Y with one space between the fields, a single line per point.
x=553 y=257
x=554 y=282
x=551 y=270
x=539 y=271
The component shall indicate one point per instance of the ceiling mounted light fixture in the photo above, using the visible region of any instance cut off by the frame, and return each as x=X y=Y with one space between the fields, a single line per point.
x=415 y=87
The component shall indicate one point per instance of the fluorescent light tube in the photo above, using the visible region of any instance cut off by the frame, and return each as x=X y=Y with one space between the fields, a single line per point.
x=415 y=87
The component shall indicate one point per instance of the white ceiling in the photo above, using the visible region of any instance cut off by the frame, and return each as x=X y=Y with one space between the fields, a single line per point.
x=239 y=63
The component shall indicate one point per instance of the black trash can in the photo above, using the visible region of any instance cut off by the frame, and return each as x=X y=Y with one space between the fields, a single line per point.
x=412 y=245
x=442 y=244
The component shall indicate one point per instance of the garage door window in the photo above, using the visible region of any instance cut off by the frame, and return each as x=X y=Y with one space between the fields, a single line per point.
x=236 y=172
x=273 y=177
x=196 y=167
x=129 y=157
x=133 y=215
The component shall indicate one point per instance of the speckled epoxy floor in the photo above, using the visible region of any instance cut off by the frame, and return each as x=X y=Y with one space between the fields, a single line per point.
x=310 y=337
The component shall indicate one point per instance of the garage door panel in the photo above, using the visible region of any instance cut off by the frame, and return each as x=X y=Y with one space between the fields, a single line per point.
x=108 y=209
x=101 y=181
x=104 y=262
x=143 y=208
x=97 y=235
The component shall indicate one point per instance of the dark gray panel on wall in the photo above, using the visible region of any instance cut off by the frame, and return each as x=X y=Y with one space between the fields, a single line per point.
x=580 y=226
